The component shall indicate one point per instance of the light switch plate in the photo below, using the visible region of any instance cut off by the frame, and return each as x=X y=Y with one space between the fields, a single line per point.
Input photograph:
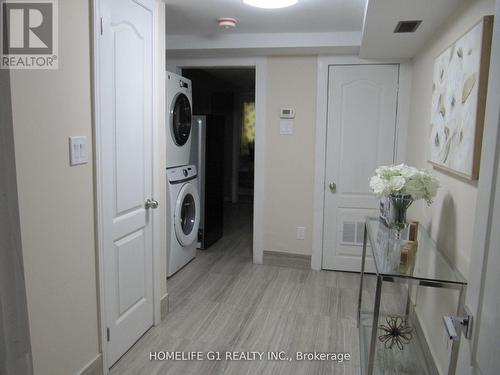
x=286 y=126
x=301 y=233
x=78 y=150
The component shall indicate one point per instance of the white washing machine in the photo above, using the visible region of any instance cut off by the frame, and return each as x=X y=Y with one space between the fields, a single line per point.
x=179 y=113
x=184 y=218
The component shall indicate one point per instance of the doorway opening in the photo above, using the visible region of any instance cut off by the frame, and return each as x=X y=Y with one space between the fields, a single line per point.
x=226 y=97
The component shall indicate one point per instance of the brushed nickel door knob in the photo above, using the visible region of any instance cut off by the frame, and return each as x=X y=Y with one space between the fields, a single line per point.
x=151 y=203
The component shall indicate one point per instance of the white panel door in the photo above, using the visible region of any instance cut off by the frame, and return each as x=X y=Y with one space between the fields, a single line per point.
x=361 y=135
x=126 y=110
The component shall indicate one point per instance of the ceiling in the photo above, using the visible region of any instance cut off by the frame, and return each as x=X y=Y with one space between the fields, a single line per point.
x=363 y=27
x=198 y=17
x=379 y=40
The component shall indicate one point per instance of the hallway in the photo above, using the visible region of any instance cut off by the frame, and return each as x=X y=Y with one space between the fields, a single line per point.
x=223 y=302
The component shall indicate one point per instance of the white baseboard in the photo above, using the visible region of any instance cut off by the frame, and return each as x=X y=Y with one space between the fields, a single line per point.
x=94 y=367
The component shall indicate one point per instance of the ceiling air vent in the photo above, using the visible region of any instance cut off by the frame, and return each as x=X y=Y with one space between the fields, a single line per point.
x=407 y=26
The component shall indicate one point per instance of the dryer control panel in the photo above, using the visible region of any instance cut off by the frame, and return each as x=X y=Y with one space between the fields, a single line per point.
x=181 y=174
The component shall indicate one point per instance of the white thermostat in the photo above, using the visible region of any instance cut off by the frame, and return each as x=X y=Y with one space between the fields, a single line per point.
x=287 y=113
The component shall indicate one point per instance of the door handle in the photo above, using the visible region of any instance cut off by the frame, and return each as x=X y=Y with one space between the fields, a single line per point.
x=151 y=203
x=333 y=187
x=450 y=322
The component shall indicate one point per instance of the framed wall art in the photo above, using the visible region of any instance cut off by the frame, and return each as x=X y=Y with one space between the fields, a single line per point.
x=459 y=88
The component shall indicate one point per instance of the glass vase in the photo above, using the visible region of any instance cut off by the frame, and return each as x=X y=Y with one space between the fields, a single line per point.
x=398 y=208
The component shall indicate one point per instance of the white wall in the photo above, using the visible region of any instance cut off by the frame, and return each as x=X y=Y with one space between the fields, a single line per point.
x=488 y=361
x=15 y=348
x=450 y=219
x=56 y=201
x=289 y=177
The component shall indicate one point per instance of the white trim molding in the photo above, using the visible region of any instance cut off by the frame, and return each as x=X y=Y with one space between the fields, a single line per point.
x=403 y=110
x=260 y=159
x=159 y=85
x=97 y=180
x=260 y=65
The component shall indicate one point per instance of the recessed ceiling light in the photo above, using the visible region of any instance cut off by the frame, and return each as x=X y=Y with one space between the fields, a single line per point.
x=270 y=4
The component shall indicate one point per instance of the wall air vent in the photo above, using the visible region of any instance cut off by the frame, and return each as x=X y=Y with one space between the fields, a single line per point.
x=407 y=26
x=352 y=233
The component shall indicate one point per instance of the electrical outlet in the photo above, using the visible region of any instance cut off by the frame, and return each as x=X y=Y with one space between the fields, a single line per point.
x=301 y=233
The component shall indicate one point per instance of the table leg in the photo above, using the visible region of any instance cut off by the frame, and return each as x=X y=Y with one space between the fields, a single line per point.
x=376 y=311
x=408 y=299
x=455 y=346
x=363 y=259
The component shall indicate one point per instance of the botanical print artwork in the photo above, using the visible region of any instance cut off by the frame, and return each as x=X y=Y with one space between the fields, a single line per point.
x=455 y=103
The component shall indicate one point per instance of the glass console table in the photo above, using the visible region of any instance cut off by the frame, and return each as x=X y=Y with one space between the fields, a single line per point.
x=427 y=267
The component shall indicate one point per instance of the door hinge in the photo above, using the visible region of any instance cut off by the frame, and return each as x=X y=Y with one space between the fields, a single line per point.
x=107 y=334
x=101 y=25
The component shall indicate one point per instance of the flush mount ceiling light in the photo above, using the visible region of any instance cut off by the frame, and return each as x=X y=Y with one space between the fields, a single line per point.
x=270 y=4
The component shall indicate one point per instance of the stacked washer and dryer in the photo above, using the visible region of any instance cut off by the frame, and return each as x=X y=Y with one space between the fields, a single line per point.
x=182 y=178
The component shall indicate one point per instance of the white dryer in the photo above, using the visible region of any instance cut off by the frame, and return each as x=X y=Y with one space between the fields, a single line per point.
x=179 y=113
x=184 y=216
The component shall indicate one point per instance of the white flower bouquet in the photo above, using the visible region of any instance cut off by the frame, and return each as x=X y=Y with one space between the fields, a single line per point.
x=401 y=180
x=399 y=186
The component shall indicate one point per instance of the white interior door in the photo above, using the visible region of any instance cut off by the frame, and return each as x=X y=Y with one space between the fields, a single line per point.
x=126 y=124
x=361 y=134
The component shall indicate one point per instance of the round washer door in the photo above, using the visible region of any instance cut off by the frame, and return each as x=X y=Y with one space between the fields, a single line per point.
x=187 y=214
x=180 y=119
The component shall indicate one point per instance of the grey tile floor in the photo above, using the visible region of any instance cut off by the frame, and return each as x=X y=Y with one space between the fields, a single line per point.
x=223 y=302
